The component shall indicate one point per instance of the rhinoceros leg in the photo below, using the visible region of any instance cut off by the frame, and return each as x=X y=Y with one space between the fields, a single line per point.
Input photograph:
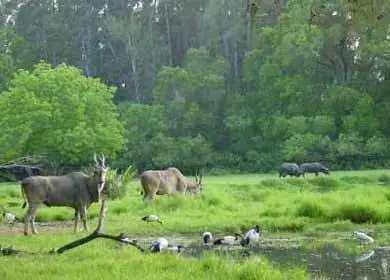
x=76 y=219
x=30 y=218
x=83 y=215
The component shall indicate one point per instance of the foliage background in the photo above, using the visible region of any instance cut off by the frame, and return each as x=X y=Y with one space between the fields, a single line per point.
x=212 y=84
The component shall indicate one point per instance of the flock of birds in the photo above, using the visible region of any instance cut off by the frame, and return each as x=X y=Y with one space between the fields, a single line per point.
x=250 y=237
x=162 y=244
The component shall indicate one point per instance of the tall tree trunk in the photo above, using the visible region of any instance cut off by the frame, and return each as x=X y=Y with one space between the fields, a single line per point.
x=168 y=33
x=133 y=59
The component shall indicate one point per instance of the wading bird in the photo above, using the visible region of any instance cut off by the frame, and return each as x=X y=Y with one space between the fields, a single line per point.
x=362 y=237
x=228 y=240
x=252 y=235
x=152 y=218
x=10 y=218
x=207 y=237
x=159 y=245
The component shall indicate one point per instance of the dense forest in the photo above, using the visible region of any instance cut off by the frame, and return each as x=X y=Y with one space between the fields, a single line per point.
x=224 y=85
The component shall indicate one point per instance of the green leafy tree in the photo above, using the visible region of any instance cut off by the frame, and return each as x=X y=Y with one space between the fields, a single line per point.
x=144 y=124
x=60 y=113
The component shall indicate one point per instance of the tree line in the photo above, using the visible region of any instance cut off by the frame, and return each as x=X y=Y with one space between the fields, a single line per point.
x=227 y=86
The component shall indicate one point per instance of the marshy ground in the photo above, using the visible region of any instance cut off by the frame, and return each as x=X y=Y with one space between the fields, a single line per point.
x=307 y=226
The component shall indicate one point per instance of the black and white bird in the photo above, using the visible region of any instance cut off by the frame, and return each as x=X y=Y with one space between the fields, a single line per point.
x=253 y=235
x=207 y=237
x=159 y=245
x=362 y=237
x=152 y=218
x=10 y=218
x=175 y=249
x=228 y=240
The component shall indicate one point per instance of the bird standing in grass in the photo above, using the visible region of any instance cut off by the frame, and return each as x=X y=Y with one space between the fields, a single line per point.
x=362 y=237
x=10 y=218
x=159 y=245
x=152 y=218
x=252 y=235
x=207 y=237
x=228 y=240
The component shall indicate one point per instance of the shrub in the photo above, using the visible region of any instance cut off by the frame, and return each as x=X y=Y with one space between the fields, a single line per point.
x=356 y=213
x=384 y=179
x=116 y=184
x=310 y=209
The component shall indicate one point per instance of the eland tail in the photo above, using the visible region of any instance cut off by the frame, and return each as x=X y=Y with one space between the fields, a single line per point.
x=24 y=197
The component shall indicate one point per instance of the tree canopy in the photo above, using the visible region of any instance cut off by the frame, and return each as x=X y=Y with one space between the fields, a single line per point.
x=58 y=112
x=225 y=85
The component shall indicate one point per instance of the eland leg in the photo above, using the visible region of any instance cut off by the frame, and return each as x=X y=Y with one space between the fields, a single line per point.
x=33 y=227
x=148 y=197
x=30 y=218
x=76 y=219
x=83 y=214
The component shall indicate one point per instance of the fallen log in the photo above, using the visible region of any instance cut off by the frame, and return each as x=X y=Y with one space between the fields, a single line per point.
x=98 y=234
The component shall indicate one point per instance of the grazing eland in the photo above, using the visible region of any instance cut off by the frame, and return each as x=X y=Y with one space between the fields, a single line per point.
x=168 y=181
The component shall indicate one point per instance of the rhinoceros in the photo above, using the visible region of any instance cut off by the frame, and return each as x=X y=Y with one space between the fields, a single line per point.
x=291 y=169
x=313 y=167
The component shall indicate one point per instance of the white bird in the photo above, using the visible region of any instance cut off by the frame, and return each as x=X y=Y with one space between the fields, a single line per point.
x=152 y=218
x=207 y=237
x=364 y=238
x=11 y=218
x=252 y=235
x=174 y=248
x=159 y=245
x=228 y=240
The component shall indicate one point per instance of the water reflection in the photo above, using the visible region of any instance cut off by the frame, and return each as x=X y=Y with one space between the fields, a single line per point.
x=327 y=260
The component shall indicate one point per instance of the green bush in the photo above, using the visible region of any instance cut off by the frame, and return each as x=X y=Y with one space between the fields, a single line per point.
x=116 y=184
x=310 y=209
x=357 y=213
x=384 y=179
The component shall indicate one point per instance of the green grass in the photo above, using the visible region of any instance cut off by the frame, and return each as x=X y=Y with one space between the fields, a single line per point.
x=101 y=261
x=311 y=206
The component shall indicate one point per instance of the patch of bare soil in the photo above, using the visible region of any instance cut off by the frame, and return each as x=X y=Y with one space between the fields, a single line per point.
x=17 y=228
